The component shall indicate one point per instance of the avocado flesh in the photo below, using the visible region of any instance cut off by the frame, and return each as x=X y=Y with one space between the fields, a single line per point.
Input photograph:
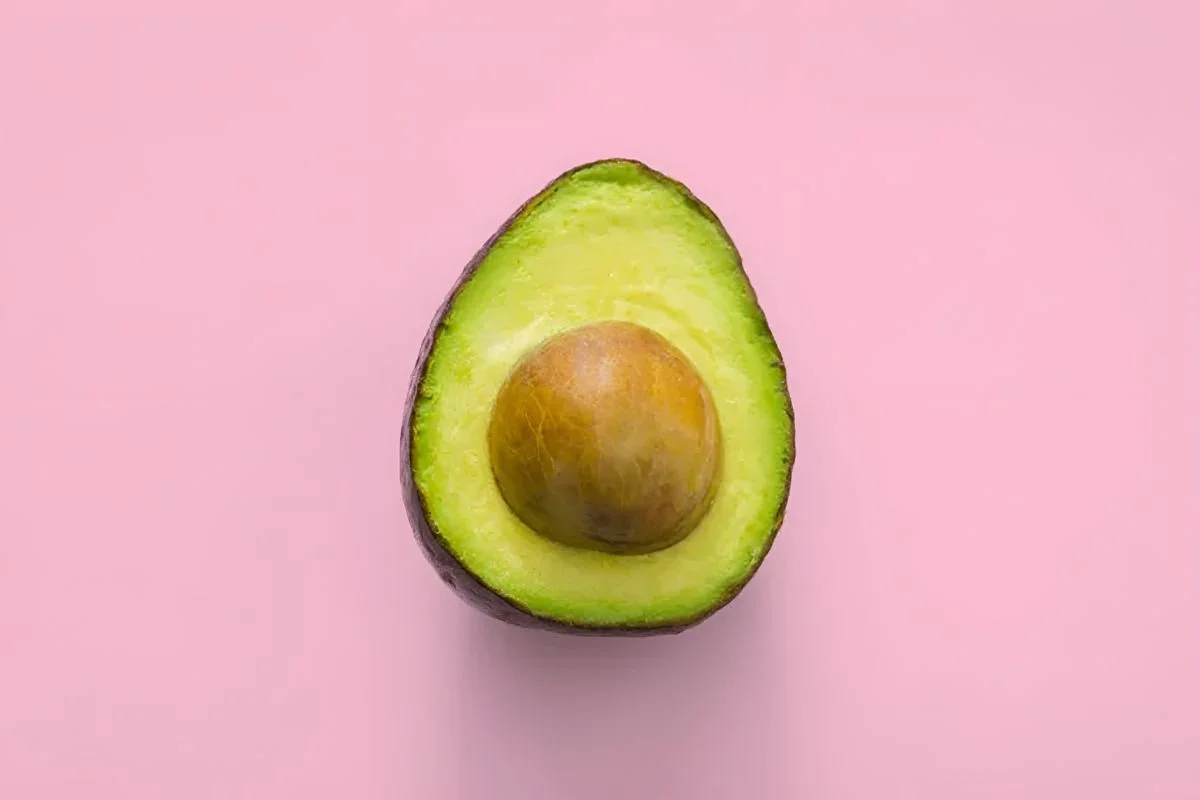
x=612 y=240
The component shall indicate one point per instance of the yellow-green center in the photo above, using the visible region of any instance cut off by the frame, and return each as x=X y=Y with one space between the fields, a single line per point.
x=605 y=437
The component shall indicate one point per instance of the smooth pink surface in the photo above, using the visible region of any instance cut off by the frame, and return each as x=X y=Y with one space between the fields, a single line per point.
x=975 y=227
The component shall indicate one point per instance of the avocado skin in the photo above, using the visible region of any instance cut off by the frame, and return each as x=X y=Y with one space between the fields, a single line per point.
x=452 y=571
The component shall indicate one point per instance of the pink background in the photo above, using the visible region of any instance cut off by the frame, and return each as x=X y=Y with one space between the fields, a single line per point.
x=975 y=227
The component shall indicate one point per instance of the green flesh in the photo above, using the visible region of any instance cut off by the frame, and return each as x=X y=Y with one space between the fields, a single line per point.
x=611 y=241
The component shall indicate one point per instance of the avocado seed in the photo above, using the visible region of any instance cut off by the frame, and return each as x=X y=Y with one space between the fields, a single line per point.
x=605 y=437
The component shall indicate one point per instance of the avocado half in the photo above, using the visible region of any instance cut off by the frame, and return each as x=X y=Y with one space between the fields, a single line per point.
x=612 y=241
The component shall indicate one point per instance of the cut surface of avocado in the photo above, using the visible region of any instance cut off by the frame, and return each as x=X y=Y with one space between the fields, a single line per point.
x=609 y=242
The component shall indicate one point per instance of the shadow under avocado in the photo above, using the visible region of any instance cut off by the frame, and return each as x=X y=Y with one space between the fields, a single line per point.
x=696 y=715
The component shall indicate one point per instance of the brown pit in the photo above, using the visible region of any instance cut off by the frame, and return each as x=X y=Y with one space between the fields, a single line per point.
x=605 y=437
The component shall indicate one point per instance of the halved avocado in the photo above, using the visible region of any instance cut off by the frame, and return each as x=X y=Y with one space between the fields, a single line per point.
x=598 y=436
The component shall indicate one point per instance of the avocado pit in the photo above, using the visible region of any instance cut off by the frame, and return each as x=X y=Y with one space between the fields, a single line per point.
x=605 y=437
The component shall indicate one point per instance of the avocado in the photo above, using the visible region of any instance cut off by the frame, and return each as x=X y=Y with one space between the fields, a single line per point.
x=598 y=436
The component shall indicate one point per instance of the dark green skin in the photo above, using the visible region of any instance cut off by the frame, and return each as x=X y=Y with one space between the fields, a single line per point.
x=452 y=571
